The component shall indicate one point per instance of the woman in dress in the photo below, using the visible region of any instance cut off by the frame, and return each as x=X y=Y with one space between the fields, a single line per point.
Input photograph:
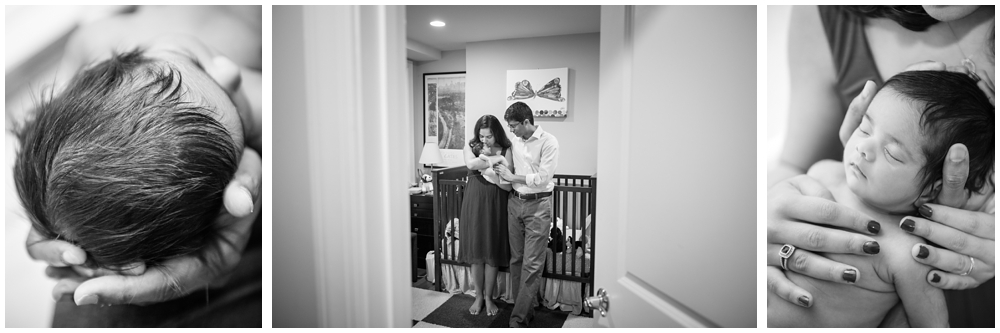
x=483 y=221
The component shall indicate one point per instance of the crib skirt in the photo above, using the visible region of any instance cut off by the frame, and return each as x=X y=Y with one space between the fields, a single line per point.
x=556 y=294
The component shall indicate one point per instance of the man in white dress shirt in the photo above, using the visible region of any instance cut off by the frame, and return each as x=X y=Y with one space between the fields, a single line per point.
x=529 y=209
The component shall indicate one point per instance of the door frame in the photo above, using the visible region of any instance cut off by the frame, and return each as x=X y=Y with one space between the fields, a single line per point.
x=357 y=109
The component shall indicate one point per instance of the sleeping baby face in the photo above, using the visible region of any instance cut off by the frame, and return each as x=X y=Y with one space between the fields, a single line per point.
x=883 y=157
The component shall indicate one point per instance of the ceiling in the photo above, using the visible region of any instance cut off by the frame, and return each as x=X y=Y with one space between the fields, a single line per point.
x=467 y=24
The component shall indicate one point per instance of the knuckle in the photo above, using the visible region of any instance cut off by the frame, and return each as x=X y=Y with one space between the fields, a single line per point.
x=772 y=285
x=827 y=212
x=799 y=262
x=816 y=239
x=959 y=244
x=954 y=180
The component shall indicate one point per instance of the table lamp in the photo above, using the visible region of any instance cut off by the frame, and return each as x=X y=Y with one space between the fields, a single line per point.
x=431 y=155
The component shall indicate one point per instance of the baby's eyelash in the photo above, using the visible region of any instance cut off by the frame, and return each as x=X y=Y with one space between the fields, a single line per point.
x=886 y=150
x=863 y=131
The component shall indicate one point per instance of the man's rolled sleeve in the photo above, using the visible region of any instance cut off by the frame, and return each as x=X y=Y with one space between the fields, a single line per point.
x=549 y=159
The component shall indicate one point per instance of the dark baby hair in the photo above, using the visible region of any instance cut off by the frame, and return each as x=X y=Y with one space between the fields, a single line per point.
x=954 y=111
x=122 y=166
x=519 y=112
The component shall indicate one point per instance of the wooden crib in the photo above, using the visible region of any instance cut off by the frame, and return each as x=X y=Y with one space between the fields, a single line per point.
x=573 y=200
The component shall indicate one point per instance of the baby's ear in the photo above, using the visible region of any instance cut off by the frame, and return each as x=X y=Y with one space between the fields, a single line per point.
x=928 y=194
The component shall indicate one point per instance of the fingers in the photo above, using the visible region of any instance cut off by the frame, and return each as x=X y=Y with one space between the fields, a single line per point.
x=856 y=111
x=243 y=192
x=950 y=281
x=978 y=224
x=54 y=252
x=956 y=172
x=942 y=259
x=813 y=265
x=781 y=286
x=174 y=279
x=66 y=286
x=822 y=211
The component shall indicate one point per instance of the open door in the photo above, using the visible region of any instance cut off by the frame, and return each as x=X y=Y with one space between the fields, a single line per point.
x=675 y=225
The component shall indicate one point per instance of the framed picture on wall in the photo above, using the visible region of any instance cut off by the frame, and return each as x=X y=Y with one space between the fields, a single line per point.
x=444 y=114
x=546 y=91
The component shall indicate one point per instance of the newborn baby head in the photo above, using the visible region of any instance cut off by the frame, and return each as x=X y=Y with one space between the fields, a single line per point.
x=895 y=158
x=130 y=161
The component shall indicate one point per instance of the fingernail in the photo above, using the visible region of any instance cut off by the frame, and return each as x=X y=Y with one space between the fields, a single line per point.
x=87 y=300
x=925 y=211
x=874 y=227
x=72 y=258
x=907 y=225
x=922 y=253
x=249 y=198
x=850 y=275
x=867 y=89
x=935 y=278
x=956 y=155
x=804 y=300
x=871 y=247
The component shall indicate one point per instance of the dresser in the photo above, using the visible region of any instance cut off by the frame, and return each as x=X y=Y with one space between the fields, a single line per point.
x=422 y=224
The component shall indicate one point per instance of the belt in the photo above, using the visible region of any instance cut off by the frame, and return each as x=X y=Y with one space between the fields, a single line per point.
x=531 y=196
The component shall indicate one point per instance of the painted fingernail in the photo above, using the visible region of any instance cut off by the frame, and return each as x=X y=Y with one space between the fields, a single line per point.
x=907 y=225
x=922 y=252
x=804 y=300
x=87 y=300
x=871 y=247
x=926 y=211
x=874 y=227
x=935 y=277
x=850 y=275
x=72 y=258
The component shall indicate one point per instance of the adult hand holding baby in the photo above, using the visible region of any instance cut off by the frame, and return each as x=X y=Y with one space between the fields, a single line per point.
x=179 y=276
x=962 y=221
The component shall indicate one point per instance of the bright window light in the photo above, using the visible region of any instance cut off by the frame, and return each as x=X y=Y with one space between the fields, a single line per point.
x=437 y=23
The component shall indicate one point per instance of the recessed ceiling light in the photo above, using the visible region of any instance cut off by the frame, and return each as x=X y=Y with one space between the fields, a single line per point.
x=437 y=23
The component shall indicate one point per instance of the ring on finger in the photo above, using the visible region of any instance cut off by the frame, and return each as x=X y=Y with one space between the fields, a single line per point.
x=786 y=252
x=970 y=266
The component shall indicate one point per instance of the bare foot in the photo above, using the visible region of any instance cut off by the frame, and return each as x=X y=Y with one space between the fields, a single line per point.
x=476 y=306
x=491 y=309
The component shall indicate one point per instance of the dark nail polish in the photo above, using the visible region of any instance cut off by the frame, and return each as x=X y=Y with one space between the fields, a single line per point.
x=850 y=275
x=925 y=211
x=804 y=300
x=935 y=278
x=874 y=227
x=871 y=247
x=907 y=225
x=922 y=253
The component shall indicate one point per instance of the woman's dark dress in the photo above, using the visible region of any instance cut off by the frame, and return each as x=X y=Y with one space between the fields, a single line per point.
x=855 y=65
x=482 y=224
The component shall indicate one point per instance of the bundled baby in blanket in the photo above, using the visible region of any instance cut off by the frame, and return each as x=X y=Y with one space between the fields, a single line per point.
x=892 y=165
x=486 y=154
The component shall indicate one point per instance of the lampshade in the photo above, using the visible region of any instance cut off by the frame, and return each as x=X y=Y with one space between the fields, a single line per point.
x=431 y=154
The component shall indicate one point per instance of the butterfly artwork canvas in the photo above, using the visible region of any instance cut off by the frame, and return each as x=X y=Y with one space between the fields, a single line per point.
x=546 y=91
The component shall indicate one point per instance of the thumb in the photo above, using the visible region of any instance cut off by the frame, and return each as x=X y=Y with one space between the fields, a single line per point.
x=856 y=111
x=955 y=174
x=242 y=194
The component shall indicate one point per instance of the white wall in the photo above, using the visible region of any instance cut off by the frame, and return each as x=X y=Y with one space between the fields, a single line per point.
x=451 y=61
x=486 y=89
x=777 y=78
x=294 y=290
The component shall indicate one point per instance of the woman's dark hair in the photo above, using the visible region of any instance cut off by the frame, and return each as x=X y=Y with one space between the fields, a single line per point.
x=122 y=166
x=954 y=111
x=519 y=112
x=491 y=122
x=913 y=18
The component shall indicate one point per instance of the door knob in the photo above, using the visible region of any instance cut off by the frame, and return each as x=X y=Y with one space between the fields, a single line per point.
x=598 y=302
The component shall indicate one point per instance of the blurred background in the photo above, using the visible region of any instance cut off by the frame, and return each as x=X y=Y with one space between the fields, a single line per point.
x=34 y=39
x=777 y=78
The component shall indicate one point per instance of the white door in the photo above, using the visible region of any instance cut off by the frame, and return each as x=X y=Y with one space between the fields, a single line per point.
x=676 y=206
x=343 y=159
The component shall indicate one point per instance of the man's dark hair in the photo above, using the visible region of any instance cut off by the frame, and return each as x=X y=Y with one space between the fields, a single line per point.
x=954 y=111
x=519 y=112
x=913 y=18
x=122 y=166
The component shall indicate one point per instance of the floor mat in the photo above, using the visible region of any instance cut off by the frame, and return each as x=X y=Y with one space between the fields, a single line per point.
x=455 y=313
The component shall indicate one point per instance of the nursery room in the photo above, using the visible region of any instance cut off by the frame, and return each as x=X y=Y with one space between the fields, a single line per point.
x=562 y=166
